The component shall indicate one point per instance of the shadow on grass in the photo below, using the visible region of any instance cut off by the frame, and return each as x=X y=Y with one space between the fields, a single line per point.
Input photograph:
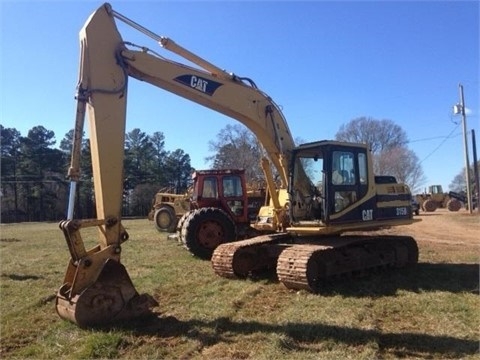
x=454 y=278
x=18 y=277
x=306 y=336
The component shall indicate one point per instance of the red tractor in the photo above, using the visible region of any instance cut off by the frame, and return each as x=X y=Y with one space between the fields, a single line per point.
x=222 y=209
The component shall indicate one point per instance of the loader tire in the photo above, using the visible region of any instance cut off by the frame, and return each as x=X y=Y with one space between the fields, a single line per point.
x=454 y=205
x=165 y=219
x=205 y=229
x=429 y=205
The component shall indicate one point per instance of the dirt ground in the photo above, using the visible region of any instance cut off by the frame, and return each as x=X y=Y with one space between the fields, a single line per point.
x=443 y=226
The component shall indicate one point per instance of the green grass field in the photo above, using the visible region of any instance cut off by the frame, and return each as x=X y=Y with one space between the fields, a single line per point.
x=430 y=312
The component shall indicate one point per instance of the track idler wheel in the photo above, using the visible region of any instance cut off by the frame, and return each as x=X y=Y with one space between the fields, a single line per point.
x=112 y=298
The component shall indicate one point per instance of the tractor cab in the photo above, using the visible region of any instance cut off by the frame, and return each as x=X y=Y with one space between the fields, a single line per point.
x=223 y=189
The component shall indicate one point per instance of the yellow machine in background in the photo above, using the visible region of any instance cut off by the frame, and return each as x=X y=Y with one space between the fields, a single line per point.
x=435 y=198
x=327 y=189
x=167 y=208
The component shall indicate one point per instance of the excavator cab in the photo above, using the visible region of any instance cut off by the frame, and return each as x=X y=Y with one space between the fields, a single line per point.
x=332 y=186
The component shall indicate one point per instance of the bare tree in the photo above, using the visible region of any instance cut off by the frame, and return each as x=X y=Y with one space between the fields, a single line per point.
x=380 y=135
x=459 y=184
x=402 y=163
x=237 y=148
x=388 y=143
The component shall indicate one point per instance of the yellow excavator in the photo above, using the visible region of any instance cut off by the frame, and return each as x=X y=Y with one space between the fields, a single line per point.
x=327 y=189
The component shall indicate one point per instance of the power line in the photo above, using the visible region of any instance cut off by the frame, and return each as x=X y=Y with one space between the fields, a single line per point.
x=434 y=138
x=439 y=145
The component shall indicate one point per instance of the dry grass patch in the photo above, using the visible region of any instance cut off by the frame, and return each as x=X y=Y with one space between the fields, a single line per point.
x=427 y=312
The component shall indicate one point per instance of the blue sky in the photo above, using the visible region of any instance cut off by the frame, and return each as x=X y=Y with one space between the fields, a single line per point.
x=325 y=63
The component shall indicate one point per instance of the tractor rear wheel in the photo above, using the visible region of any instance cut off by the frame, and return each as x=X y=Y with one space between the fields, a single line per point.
x=205 y=229
x=180 y=224
x=165 y=219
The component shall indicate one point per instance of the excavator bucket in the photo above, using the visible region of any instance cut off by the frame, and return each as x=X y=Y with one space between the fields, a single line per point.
x=111 y=298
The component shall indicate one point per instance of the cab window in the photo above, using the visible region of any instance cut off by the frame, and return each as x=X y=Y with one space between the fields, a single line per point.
x=362 y=168
x=343 y=170
x=232 y=186
x=210 y=188
x=343 y=178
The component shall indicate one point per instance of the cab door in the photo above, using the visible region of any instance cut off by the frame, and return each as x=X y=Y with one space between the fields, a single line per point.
x=234 y=197
x=347 y=182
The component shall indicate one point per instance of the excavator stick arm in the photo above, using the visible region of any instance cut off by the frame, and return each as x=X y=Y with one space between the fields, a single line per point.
x=97 y=289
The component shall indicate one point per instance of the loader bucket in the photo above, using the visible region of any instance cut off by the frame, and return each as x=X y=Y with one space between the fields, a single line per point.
x=112 y=298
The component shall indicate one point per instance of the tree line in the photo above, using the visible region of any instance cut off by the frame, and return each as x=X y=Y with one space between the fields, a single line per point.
x=34 y=186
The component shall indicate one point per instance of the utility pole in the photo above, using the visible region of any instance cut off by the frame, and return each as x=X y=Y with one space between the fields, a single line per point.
x=460 y=109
